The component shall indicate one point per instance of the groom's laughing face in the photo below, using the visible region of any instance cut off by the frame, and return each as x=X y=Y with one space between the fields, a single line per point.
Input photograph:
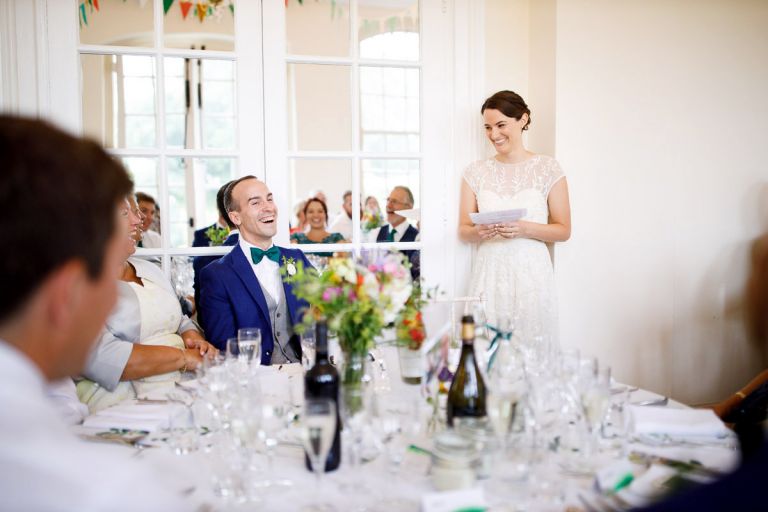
x=256 y=212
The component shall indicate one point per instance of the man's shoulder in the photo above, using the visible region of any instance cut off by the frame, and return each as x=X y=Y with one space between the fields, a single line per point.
x=221 y=266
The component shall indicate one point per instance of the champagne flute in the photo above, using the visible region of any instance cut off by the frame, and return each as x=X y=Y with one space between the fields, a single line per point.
x=318 y=426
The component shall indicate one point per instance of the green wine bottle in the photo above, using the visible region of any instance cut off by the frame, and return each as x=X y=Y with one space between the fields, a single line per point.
x=466 y=398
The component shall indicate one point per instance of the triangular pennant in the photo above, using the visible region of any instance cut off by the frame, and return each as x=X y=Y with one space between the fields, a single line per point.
x=90 y=4
x=200 y=11
x=185 y=6
x=232 y=9
x=82 y=14
x=167 y=5
x=96 y=4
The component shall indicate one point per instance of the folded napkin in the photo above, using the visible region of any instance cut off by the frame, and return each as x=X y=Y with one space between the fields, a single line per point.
x=676 y=422
x=148 y=417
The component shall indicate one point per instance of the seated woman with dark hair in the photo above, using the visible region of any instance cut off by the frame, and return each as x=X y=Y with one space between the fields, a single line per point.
x=147 y=343
x=316 y=215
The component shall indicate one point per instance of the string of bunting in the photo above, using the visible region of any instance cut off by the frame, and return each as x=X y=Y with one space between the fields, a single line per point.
x=202 y=8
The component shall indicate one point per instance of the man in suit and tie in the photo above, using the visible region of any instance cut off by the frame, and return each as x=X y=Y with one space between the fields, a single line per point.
x=397 y=229
x=202 y=240
x=245 y=288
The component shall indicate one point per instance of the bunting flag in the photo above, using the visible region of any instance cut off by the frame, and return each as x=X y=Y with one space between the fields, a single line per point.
x=167 y=5
x=96 y=4
x=185 y=6
x=201 y=11
x=83 y=17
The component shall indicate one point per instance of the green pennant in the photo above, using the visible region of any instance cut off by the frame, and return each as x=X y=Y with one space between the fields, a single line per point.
x=82 y=14
x=167 y=5
x=232 y=9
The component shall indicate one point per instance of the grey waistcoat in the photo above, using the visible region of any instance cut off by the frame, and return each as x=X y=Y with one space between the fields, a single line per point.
x=281 y=328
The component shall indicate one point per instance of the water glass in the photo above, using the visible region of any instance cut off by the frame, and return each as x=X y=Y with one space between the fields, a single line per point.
x=318 y=426
x=249 y=343
x=308 y=349
x=183 y=437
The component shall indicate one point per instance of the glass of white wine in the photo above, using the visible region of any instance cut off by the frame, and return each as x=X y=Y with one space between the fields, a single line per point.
x=595 y=400
x=318 y=426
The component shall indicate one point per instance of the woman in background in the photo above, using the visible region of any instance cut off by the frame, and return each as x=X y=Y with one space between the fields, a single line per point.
x=316 y=213
x=512 y=269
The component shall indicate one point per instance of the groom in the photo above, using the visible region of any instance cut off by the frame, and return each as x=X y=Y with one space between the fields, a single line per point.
x=245 y=287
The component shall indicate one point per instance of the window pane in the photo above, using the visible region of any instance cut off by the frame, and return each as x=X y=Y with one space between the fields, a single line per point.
x=326 y=178
x=389 y=31
x=319 y=107
x=218 y=97
x=143 y=172
x=209 y=27
x=218 y=69
x=391 y=113
x=379 y=179
x=119 y=109
x=192 y=187
x=218 y=132
x=182 y=279
x=116 y=22
x=317 y=28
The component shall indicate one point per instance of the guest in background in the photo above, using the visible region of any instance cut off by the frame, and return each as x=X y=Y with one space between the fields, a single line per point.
x=52 y=307
x=212 y=236
x=343 y=222
x=147 y=343
x=397 y=229
x=317 y=218
x=372 y=217
x=745 y=488
x=299 y=224
x=216 y=233
x=245 y=288
x=513 y=268
x=148 y=207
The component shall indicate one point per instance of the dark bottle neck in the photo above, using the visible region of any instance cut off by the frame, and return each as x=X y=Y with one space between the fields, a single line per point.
x=321 y=342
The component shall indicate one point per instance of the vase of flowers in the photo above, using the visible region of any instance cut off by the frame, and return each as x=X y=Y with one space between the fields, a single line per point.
x=410 y=334
x=358 y=297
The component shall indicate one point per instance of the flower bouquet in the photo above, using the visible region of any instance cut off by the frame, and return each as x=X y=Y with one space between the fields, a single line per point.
x=372 y=219
x=358 y=297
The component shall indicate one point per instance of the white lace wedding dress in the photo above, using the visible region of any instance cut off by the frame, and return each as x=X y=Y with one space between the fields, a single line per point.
x=515 y=276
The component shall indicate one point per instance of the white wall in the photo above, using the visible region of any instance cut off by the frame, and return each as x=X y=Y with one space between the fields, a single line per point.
x=662 y=122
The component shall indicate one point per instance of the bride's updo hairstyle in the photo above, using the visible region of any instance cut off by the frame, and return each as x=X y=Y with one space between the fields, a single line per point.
x=510 y=104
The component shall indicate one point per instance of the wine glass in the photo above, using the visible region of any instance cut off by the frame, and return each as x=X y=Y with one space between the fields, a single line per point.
x=318 y=426
x=249 y=343
x=595 y=400
x=308 y=348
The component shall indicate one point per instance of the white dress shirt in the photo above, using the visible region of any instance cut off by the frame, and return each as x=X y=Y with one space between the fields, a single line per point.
x=151 y=239
x=47 y=468
x=342 y=224
x=267 y=271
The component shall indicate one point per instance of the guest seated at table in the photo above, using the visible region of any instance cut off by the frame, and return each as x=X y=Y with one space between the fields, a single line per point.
x=148 y=343
x=203 y=238
x=245 y=287
x=58 y=285
x=744 y=489
x=149 y=238
x=316 y=213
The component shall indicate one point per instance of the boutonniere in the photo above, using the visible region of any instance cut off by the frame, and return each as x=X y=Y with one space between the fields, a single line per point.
x=290 y=266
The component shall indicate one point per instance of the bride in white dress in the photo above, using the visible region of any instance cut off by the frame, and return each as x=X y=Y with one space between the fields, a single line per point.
x=512 y=268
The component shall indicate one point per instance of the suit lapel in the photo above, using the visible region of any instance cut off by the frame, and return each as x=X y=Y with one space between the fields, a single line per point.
x=290 y=299
x=244 y=271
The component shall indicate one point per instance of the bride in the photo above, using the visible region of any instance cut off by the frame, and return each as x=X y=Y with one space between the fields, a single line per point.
x=512 y=267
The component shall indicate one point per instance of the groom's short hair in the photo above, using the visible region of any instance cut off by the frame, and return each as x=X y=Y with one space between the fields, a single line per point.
x=229 y=202
x=58 y=195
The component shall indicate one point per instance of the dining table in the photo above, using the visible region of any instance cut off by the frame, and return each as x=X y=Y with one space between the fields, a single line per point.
x=384 y=477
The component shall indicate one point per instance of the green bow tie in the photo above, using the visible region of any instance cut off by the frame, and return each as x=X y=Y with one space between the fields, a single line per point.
x=273 y=253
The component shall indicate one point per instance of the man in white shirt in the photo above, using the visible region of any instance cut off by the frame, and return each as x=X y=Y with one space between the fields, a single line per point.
x=245 y=287
x=343 y=221
x=58 y=281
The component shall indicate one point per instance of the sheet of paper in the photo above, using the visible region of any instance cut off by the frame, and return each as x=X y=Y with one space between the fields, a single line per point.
x=498 y=216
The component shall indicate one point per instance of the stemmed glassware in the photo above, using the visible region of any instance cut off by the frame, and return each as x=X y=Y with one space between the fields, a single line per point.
x=318 y=425
x=249 y=344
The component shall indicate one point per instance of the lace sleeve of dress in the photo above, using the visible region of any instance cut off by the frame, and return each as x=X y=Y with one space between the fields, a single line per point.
x=472 y=174
x=554 y=174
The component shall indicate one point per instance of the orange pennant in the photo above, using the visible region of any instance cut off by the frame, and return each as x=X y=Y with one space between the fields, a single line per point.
x=96 y=4
x=185 y=6
x=201 y=10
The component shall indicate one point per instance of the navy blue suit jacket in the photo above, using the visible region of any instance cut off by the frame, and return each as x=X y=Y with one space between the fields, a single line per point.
x=201 y=239
x=231 y=298
x=200 y=262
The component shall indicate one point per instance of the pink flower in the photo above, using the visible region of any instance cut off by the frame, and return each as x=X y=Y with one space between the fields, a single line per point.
x=331 y=293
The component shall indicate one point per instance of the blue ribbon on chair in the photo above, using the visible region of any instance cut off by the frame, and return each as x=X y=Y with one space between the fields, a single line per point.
x=493 y=347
